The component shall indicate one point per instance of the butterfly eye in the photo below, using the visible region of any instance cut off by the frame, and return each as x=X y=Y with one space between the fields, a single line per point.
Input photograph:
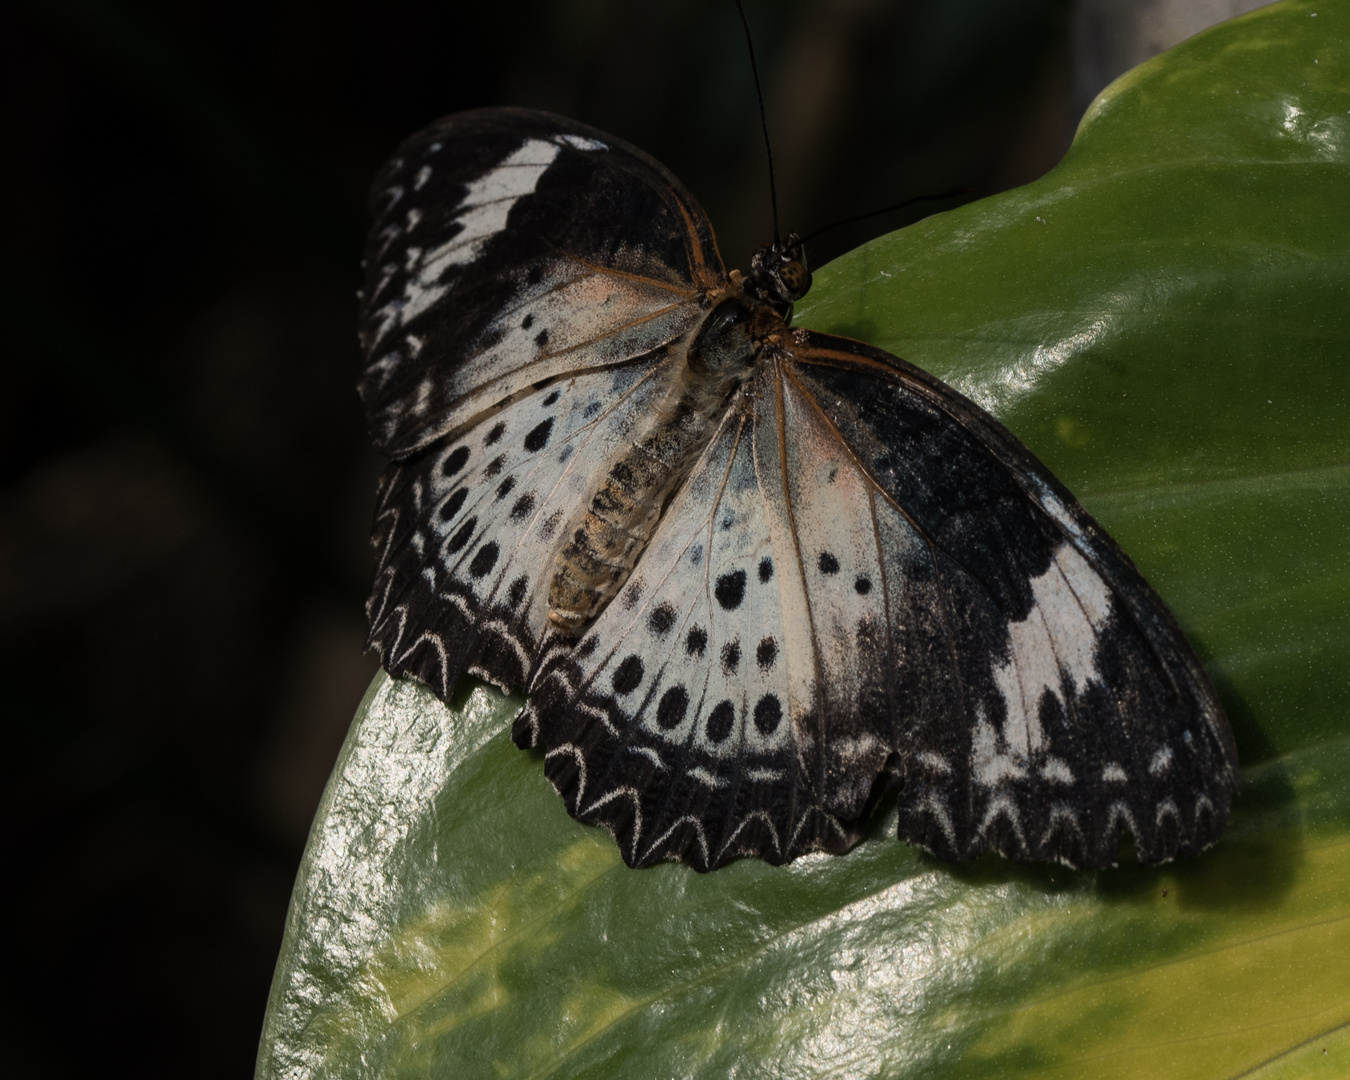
x=794 y=276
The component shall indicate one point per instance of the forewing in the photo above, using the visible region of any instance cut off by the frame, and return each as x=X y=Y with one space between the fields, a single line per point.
x=966 y=613
x=528 y=282
x=511 y=248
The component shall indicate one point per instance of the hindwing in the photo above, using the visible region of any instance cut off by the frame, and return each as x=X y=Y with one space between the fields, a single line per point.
x=968 y=615
x=672 y=722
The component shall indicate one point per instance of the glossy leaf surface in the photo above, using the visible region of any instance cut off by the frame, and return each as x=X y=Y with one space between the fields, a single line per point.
x=1165 y=320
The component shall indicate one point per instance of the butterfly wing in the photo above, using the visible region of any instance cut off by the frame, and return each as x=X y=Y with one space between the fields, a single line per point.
x=939 y=605
x=671 y=723
x=1039 y=695
x=511 y=247
x=528 y=280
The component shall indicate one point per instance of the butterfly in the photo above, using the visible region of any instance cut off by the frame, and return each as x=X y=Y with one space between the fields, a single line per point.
x=752 y=577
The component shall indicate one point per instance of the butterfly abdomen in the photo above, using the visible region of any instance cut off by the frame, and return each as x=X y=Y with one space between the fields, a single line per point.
x=605 y=542
x=607 y=538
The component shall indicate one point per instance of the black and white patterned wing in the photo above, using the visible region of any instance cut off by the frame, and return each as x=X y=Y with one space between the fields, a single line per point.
x=512 y=247
x=672 y=724
x=467 y=530
x=969 y=613
x=528 y=281
x=866 y=573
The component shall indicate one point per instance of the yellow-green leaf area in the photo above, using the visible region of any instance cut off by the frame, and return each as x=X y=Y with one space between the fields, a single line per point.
x=1165 y=320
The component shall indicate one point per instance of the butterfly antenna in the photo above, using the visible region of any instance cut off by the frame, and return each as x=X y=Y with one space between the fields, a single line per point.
x=763 y=118
x=954 y=193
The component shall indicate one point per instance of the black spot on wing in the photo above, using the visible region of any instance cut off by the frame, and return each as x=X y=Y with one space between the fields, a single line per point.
x=768 y=714
x=828 y=563
x=484 y=559
x=766 y=653
x=661 y=619
x=549 y=526
x=505 y=487
x=627 y=675
x=765 y=569
x=552 y=399
x=730 y=589
x=523 y=507
x=494 y=467
x=462 y=536
x=452 y=505
x=537 y=439
x=720 y=721
x=517 y=592
x=495 y=434
x=527 y=322
x=696 y=641
x=731 y=656
x=862 y=585
x=672 y=707
x=455 y=461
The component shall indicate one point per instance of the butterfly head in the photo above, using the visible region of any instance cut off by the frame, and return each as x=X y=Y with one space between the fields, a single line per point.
x=779 y=274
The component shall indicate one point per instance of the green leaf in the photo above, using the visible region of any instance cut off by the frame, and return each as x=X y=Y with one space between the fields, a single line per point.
x=1164 y=319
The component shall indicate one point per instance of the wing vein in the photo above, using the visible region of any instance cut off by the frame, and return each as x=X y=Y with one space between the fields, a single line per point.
x=739 y=773
x=885 y=599
x=610 y=332
x=622 y=275
x=818 y=688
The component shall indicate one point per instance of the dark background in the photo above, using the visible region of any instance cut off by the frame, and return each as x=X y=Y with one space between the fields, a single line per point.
x=185 y=485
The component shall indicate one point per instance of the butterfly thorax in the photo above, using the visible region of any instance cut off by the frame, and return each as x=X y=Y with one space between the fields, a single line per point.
x=779 y=275
x=605 y=541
